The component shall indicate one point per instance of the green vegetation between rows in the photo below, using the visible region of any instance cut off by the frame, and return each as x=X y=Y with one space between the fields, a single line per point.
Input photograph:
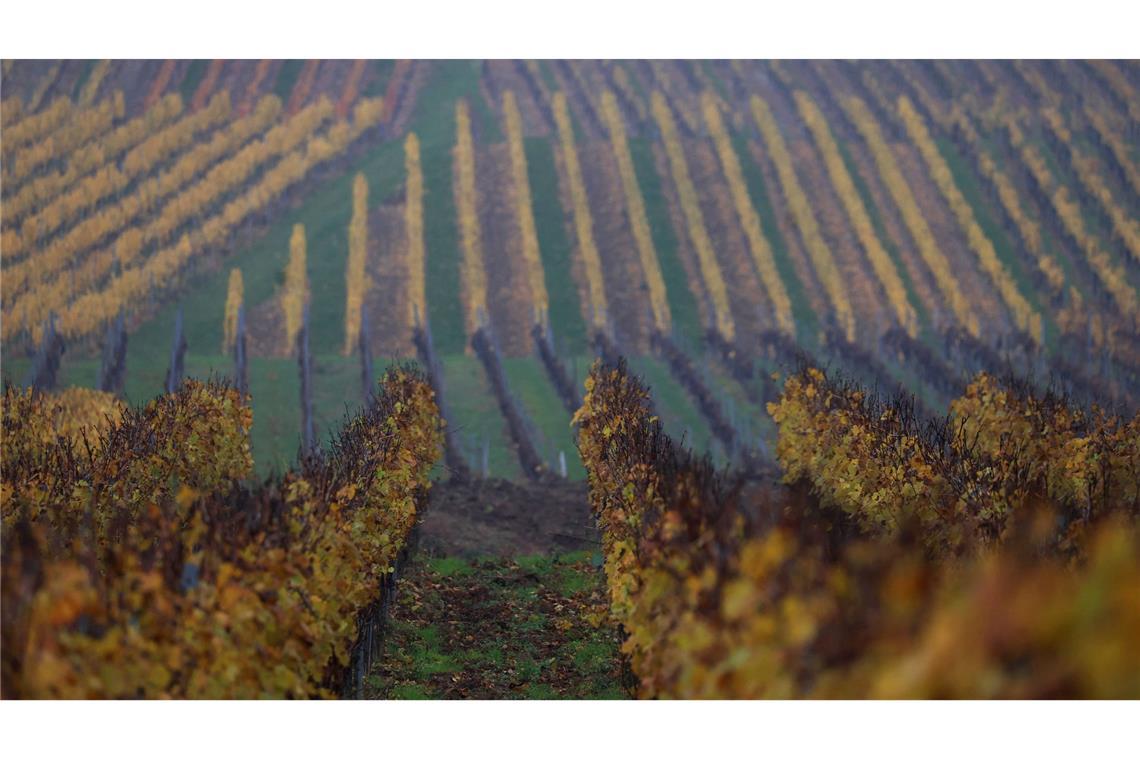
x=875 y=214
x=682 y=420
x=682 y=304
x=88 y=67
x=548 y=416
x=968 y=184
x=554 y=246
x=476 y=419
x=192 y=79
x=286 y=78
x=325 y=212
x=807 y=324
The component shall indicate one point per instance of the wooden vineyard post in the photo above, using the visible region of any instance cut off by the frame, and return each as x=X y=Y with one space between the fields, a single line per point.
x=521 y=430
x=556 y=369
x=425 y=350
x=176 y=369
x=305 y=366
x=241 y=360
x=364 y=340
x=112 y=371
x=45 y=366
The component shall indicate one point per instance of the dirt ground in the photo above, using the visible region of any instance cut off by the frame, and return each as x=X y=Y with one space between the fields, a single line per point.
x=498 y=518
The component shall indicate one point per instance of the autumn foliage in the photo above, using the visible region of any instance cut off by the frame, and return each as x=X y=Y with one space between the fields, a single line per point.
x=638 y=219
x=414 y=231
x=235 y=295
x=471 y=235
x=944 y=277
x=524 y=208
x=758 y=244
x=801 y=207
x=355 y=272
x=146 y=240
x=295 y=294
x=889 y=566
x=138 y=564
x=694 y=220
x=583 y=221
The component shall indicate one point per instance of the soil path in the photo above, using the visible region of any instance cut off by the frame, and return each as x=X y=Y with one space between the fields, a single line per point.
x=505 y=598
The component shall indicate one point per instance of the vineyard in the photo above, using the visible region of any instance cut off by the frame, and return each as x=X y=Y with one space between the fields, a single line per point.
x=906 y=558
x=826 y=346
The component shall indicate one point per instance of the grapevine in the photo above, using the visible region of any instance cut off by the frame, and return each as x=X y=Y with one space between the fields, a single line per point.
x=235 y=293
x=200 y=596
x=635 y=205
x=295 y=294
x=694 y=221
x=821 y=257
x=414 y=232
x=524 y=209
x=1110 y=275
x=1024 y=315
x=901 y=193
x=881 y=261
x=758 y=244
x=355 y=272
x=583 y=222
x=474 y=274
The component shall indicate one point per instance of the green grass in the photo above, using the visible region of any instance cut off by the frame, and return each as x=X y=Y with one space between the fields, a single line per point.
x=14 y=370
x=541 y=691
x=528 y=667
x=542 y=405
x=1102 y=233
x=490 y=655
x=712 y=75
x=325 y=213
x=534 y=622
x=554 y=246
x=968 y=184
x=570 y=581
x=677 y=412
x=476 y=416
x=381 y=74
x=750 y=418
x=880 y=231
x=591 y=657
x=441 y=238
x=410 y=691
x=535 y=563
x=807 y=324
x=682 y=303
x=88 y=67
x=430 y=662
x=193 y=78
x=548 y=77
x=450 y=566
x=286 y=78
